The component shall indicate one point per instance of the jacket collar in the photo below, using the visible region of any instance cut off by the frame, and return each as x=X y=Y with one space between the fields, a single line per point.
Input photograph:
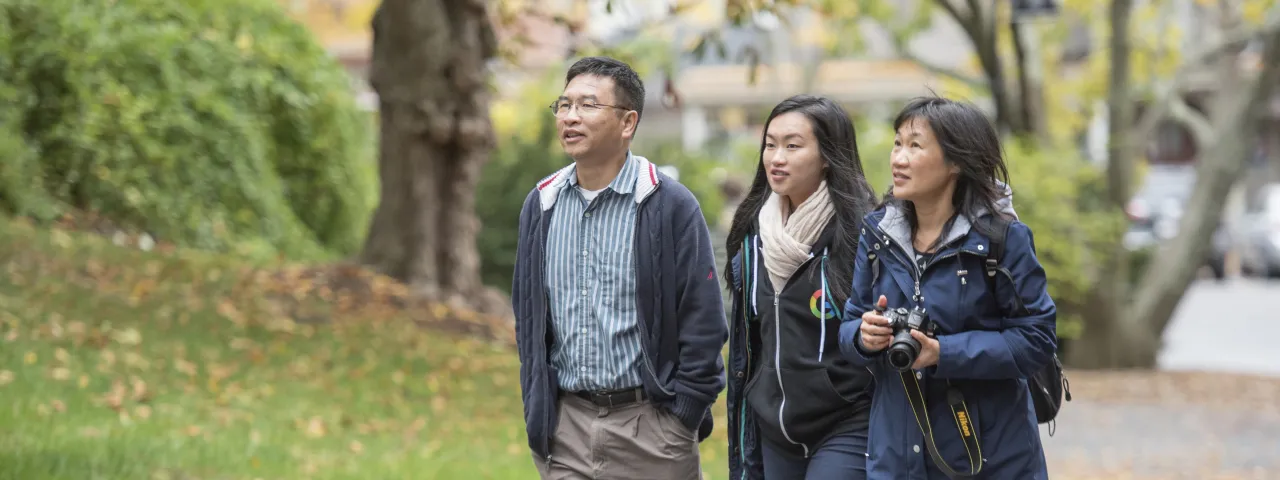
x=638 y=176
x=895 y=224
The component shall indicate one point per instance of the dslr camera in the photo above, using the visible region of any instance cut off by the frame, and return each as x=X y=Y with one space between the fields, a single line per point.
x=903 y=349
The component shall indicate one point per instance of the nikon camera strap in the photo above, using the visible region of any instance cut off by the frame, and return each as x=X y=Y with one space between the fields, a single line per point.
x=964 y=424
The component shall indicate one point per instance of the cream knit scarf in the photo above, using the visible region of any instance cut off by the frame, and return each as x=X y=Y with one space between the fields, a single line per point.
x=788 y=239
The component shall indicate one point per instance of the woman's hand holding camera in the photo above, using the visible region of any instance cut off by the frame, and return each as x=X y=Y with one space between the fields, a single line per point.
x=929 y=350
x=876 y=335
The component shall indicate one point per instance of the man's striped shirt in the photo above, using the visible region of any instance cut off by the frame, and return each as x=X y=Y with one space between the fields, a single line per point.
x=591 y=279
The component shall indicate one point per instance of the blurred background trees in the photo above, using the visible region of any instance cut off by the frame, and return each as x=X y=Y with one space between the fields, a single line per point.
x=254 y=162
x=405 y=135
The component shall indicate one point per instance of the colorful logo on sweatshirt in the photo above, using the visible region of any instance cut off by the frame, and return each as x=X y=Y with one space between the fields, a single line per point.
x=815 y=306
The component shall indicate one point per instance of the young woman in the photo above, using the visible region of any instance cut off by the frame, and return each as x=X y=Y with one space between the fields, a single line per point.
x=797 y=409
x=986 y=327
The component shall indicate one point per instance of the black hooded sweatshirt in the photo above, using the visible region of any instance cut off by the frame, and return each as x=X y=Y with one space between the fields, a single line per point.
x=803 y=390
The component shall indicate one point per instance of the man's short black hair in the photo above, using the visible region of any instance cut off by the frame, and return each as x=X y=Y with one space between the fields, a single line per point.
x=628 y=88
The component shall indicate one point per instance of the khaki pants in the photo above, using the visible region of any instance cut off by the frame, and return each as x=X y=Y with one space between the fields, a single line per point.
x=637 y=441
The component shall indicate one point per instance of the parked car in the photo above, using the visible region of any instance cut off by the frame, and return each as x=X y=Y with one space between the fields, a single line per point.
x=1155 y=212
x=1259 y=242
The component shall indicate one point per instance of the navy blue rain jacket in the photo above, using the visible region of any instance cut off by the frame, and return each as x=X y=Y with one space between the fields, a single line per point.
x=990 y=342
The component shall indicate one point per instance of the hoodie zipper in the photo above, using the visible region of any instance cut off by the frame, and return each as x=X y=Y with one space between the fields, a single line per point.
x=745 y=332
x=777 y=368
x=777 y=360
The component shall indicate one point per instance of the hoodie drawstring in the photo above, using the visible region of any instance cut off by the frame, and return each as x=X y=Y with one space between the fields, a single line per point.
x=822 y=342
x=755 y=274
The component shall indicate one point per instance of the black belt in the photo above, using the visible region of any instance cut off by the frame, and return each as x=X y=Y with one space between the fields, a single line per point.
x=616 y=398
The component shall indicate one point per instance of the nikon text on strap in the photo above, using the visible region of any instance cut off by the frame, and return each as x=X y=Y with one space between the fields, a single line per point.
x=964 y=423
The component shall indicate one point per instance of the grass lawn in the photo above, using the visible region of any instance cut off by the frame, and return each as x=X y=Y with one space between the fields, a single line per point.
x=118 y=363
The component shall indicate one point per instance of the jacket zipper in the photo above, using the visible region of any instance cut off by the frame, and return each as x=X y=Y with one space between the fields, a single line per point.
x=777 y=359
x=546 y=438
x=898 y=252
x=916 y=272
x=745 y=331
x=777 y=368
x=648 y=364
x=542 y=338
x=644 y=330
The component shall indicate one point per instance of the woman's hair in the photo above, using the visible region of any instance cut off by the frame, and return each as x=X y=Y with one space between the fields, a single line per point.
x=969 y=142
x=851 y=195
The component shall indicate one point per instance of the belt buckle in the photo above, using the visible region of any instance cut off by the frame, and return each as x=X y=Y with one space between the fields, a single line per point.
x=607 y=398
x=600 y=398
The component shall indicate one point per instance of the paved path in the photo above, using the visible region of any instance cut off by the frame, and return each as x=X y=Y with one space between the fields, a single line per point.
x=1096 y=440
x=1229 y=326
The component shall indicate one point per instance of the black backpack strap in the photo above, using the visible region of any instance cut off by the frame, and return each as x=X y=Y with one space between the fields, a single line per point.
x=873 y=253
x=995 y=252
x=1049 y=385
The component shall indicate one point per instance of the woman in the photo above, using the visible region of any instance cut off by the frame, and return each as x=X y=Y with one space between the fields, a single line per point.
x=925 y=250
x=796 y=408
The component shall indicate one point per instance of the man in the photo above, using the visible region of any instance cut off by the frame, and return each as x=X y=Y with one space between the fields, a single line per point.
x=619 y=319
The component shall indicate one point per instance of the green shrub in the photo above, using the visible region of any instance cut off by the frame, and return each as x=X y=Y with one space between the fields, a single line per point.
x=1054 y=193
x=213 y=123
x=19 y=167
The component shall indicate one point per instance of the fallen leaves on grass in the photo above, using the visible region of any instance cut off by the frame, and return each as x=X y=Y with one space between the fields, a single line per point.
x=314 y=427
x=127 y=337
x=218 y=356
x=322 y=295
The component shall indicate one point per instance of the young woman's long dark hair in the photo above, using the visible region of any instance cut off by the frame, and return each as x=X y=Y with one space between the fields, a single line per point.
x=969 y=141
x=851 y=195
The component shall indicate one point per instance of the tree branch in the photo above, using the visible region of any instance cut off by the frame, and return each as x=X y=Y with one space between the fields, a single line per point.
x=971 y=22
x=1201 y=129
x=983 y=34
x=969 y=80
x=900 y=47
x=1221 y=165
x=1030 y=98
x=975 y=12
x=1169 y=93
x=953 y=11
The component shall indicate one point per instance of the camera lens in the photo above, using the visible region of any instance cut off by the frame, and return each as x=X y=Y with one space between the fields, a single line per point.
x=900 y=359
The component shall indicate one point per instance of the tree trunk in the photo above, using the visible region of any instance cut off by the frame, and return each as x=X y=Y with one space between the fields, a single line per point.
x=993 y=68
x=428 y=68
x=1131 y=338
x=1026 y=46
x=1108 y=343
x=979 y=24
x=1102 y=342
x=1120 y=107
x=1221 y=165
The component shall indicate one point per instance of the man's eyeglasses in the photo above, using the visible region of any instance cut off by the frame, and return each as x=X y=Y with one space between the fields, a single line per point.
x=560 y=108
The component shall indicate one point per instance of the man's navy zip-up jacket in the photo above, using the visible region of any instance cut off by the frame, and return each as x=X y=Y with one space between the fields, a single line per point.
x=682 y=322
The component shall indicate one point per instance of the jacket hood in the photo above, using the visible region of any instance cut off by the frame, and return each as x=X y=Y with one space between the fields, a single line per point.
x=895 y=224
